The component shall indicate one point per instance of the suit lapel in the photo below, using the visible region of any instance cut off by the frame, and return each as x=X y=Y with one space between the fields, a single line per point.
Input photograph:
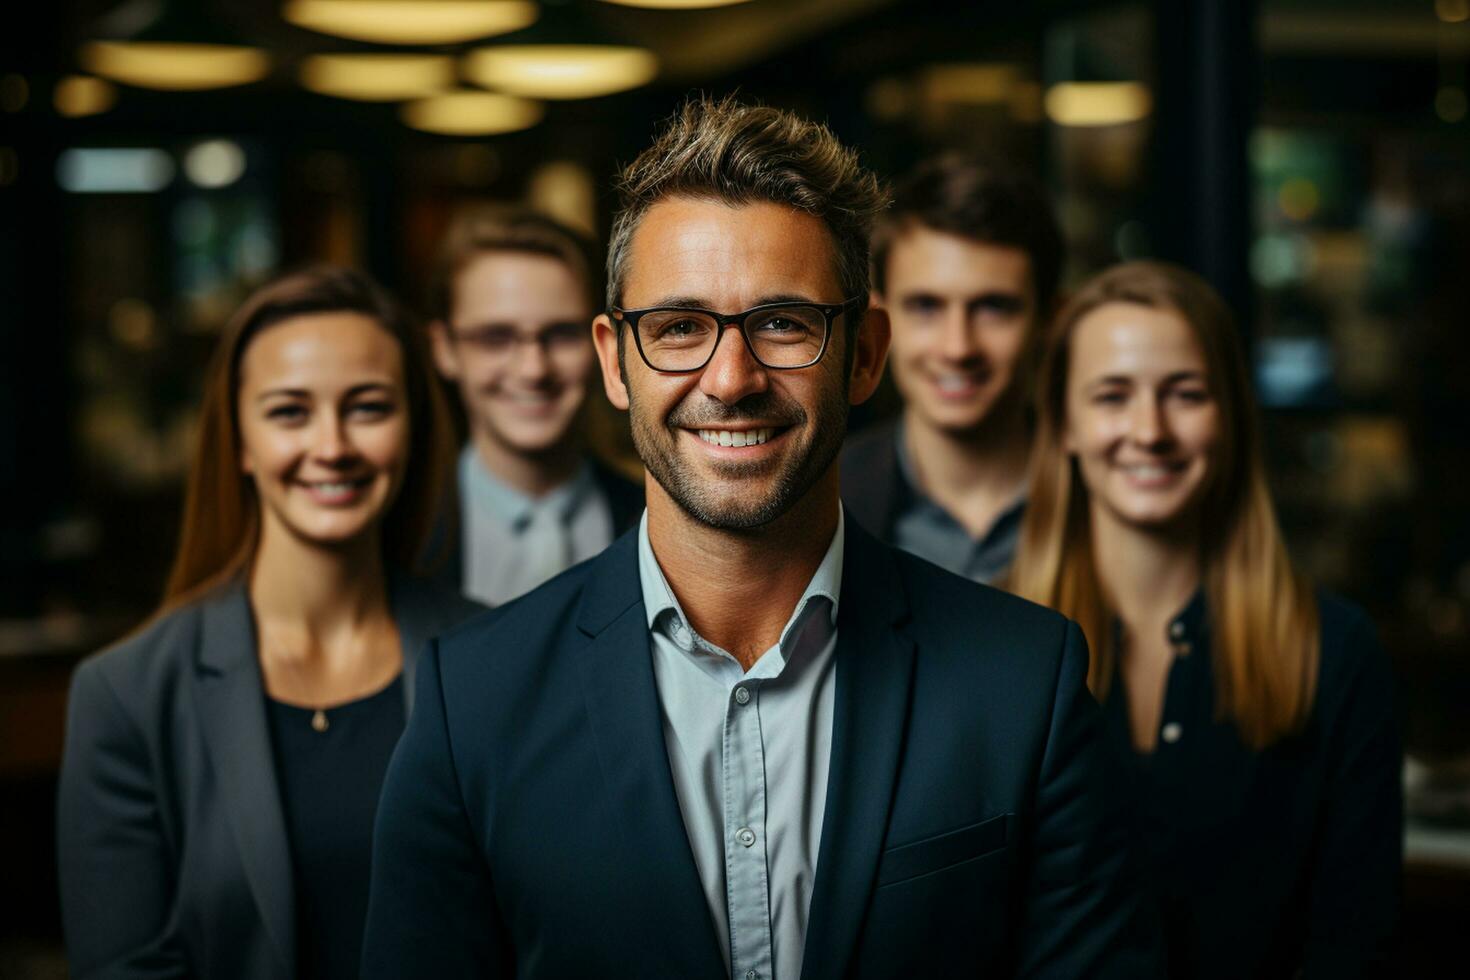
x=627 y=726
x=235 y=732
x=874 y=676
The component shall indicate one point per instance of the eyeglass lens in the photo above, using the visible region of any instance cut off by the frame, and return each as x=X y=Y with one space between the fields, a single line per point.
x=682 y=340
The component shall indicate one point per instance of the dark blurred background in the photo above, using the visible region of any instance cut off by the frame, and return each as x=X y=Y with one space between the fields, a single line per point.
x=1310 y=157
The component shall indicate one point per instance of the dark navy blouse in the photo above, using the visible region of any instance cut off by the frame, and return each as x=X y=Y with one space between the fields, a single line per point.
x=330 y=781
x=1266 y=863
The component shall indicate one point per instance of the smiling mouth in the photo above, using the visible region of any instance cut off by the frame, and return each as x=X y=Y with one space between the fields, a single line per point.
x=335 y=491
x=1147 y=473
x=737 y=438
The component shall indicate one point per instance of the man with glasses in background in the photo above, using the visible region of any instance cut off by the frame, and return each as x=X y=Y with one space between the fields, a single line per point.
x=750 y=740
x=512 y=293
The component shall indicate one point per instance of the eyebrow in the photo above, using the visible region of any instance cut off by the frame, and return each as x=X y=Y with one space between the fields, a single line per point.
x=358 y=389
x=1114 y=379
x=701 y=303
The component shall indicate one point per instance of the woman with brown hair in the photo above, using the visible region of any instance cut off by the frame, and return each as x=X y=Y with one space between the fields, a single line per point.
x=1252 y=715
x=222 y=764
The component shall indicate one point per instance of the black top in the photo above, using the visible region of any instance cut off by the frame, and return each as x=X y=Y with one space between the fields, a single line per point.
x=329 y=790
x=1268 y=862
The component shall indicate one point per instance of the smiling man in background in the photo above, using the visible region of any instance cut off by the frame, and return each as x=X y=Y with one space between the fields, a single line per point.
x=750 y=740
x=512 y=295
x=966 y=266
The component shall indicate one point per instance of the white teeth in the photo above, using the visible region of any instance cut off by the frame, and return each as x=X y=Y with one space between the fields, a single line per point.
x=737 y=439
x=1148 y=471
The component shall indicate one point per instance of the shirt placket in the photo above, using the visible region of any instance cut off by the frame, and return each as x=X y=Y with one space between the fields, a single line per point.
x=747 y=888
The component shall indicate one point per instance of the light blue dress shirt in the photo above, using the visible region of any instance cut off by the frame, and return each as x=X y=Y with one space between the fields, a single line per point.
x=513 y=542
x=750 y=752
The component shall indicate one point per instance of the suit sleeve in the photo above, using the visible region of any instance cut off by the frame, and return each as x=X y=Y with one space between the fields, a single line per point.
x=1357 y=869
x=1083 y=915
x=115 y=866
x=431 y=912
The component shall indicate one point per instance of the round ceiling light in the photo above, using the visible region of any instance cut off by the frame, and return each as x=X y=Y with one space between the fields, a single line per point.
x=377 y=77
x=175 y=67
x=472 y=114
x=411 y=21
x=560 y=71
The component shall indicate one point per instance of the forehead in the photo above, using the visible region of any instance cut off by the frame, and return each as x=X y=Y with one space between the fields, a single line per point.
x=1128 y=338
x=922 y=258
x=503 y=282
x=728 y=256
x=320 y=346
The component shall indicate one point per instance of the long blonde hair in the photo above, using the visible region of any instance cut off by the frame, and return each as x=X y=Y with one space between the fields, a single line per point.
x=1263 y=614
x=221 y=524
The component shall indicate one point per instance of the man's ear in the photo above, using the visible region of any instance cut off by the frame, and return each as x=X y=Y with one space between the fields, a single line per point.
x=446 y=358
x=605 y=339
x=871 y=354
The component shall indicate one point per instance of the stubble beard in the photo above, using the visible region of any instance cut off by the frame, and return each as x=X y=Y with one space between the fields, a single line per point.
x=656 y=442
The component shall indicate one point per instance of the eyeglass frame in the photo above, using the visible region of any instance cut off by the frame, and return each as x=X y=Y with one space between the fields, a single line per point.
x=830 y=312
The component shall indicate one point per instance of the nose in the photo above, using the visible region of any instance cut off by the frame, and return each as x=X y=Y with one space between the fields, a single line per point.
x=732 y=372
x=531 y=361
x=957 y=336
x=332 y=444
x=1149 y=424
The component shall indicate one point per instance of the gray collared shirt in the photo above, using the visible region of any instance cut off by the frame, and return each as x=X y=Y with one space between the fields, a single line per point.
x=924 y=528
x=750 y=753
x=513 y=543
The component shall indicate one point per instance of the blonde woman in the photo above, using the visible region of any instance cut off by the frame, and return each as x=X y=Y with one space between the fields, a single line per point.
x=1253 y=716
x=222 y=765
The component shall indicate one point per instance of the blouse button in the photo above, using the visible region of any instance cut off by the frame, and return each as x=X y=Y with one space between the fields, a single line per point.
x=1171 y=732
x=1176 y=630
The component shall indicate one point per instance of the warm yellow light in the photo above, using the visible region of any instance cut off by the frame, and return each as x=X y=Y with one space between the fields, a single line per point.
x=1452 y=11
x=1097 y=103
x=472 y=113
x=676 y=4
x=175 y=67
x=378 y=77
x=82 y=95
x=411 y=21
x=560 y=71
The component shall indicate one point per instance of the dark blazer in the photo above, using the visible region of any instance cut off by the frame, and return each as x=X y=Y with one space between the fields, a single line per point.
x=873 y=487
x=624 y=498
x=529 y=825
x=171 y=838
x=1281 y=862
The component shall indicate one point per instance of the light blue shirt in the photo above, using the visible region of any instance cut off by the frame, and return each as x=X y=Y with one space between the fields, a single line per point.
x=750 y=752
x=513 y=542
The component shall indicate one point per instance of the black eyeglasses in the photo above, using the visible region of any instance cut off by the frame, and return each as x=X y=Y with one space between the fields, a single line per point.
x=781 y=336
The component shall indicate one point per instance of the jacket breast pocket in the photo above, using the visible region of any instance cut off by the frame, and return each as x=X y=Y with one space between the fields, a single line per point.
x=944 y=850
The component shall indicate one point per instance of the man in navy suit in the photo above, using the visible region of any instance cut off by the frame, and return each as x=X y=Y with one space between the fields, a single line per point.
x=749 y=740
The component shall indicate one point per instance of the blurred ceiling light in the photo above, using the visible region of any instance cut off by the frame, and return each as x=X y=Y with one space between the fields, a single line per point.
x=83 y=95
x=1452 y=11
x=377 y=77
x=561 y=71
x=472 y=114
x=175 y=66
x=676 y=4
x=969 y=84
x=114 y=171
x=411 y=21
x=1097 y=103
x=214 y=163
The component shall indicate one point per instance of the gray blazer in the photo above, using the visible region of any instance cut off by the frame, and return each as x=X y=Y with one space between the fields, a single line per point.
x=171 y=838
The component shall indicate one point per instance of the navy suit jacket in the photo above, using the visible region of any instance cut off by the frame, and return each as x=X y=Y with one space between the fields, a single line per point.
x=529 y=825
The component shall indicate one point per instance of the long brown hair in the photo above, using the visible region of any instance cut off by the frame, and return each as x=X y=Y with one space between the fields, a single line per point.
x=1262 y=613
x=222 y=510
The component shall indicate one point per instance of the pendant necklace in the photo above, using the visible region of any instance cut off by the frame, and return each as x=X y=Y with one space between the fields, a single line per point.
x=319 y=721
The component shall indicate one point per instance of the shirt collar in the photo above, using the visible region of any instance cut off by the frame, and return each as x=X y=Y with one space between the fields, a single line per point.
x=663 y=609
x=490 y=494
x=912 y=496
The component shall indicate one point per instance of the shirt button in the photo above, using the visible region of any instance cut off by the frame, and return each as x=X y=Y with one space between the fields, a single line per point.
x=745 y=836
x=752 y=975
x=1182 y=649
x=1171 y=732
x=1176 y=630
x=742 y=696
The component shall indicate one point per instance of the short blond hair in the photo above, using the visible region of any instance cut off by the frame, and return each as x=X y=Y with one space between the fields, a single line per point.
x=738 y=153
